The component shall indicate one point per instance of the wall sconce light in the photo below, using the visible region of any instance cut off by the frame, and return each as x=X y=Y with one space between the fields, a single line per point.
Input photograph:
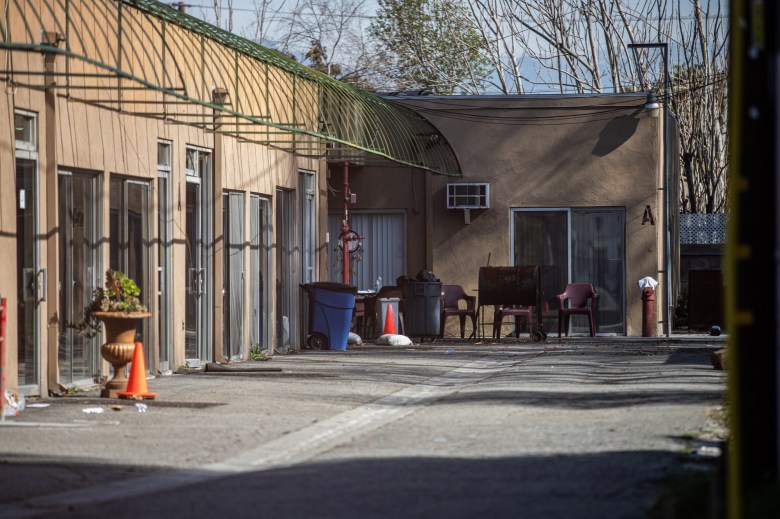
x=219 y=95
x=652 y=105
x=51 y=38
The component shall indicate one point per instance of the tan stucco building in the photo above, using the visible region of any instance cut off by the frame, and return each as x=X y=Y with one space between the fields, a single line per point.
x=141 y=139
x=210 y=170
x=574 y=184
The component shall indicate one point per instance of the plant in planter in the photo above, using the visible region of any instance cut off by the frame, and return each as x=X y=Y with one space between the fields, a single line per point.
x=119 y=295
x=118 y=307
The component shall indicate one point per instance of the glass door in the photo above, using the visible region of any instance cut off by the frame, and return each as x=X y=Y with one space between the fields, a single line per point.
x=31 y=279
x=79 y=357
x=259 y=269
x=582 y=245
x=286 y=278
x=598 y=258
x=541 y=238
x=233 y=275
x=308 y=226
x=29 y=293
x=197 y=322
x=164 y=254
x=130 y=247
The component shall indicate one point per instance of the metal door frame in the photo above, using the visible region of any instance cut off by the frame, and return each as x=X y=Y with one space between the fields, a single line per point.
x=95 y=278
x=164 y=256
x=233 y=329
x=147 y=337
x=28 y=151
x=570 y=248
x=286 y=275
x=260 y=283
x=201 y=275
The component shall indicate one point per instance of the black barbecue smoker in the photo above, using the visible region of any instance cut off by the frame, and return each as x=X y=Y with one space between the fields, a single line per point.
x=509 y=286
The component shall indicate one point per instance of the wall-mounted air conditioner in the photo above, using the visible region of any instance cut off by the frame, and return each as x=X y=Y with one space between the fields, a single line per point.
x=467 y=196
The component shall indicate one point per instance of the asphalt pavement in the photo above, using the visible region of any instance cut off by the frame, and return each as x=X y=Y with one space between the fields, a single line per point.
x=574 y=427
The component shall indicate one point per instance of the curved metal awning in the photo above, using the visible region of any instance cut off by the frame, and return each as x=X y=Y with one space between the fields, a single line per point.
x=145 y=58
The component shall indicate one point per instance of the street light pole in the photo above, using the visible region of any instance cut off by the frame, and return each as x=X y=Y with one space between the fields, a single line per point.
x=664 y=48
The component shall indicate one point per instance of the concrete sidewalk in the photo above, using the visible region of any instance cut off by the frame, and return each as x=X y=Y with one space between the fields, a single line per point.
x=581 y=398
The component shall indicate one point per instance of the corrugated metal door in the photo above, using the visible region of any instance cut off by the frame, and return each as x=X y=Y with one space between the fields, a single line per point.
x=382 y=252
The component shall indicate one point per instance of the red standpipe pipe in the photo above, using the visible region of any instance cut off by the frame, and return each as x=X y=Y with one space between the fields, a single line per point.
x=2 y=358
x=648 y=311
x=345 y=234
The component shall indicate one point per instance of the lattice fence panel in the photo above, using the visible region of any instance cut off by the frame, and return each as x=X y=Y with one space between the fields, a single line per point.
x=702 y=229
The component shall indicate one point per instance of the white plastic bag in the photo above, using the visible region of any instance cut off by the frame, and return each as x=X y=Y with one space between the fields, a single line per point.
x=11 y=407
x=647 y=282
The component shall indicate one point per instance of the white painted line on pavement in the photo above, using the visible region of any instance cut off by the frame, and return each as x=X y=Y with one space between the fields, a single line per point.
x=290 y=449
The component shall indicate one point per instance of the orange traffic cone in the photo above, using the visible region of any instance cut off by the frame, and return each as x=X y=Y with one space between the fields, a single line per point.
x=389 y=321
x=136 y=384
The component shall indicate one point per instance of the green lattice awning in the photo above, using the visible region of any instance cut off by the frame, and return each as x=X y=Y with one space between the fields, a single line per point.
x=145 y=58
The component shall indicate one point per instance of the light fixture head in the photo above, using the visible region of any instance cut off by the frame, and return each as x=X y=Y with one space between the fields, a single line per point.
x=652 y=105
x=219 y=95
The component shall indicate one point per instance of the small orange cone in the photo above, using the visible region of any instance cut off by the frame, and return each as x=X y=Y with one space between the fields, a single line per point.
x=389 y=321
x=136 y=384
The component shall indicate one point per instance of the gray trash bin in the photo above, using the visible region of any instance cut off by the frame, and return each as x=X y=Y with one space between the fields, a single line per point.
x=381 y=310
x=422 y=309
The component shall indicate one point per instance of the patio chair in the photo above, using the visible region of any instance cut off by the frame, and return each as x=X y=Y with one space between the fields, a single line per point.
x=502 y=311
x=363 y=314
x=453 y=295
x=582 y=300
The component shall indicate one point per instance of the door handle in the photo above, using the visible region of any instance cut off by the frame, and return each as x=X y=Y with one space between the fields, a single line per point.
x=42 y=286
x=201 y=275
x=28 y=285
x=192 y=282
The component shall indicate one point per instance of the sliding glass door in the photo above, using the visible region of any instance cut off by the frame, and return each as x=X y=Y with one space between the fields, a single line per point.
x=233 y=275
x=164 y=255
x=286 y=276
x=79 y=357
x=260 y=284
x=130 y=248
x=577 y=245
x=198 y=234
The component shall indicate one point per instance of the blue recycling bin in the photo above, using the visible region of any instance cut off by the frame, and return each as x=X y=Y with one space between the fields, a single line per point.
x=330 y=314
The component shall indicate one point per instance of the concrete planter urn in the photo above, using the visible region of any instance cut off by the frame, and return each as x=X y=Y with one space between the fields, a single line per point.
x=118 y=307
x=118 y=349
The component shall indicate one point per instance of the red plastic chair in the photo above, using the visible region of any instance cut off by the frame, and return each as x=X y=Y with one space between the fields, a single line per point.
x=453 y=295
x=582 y=300
x=503 y=311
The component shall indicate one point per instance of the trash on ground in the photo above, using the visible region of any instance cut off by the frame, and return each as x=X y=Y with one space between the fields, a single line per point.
x=710 y=451
x=117 y=407
x=13 y=405
x=93 y=410
x=391 y=339
x=141 y=407
x=449 y=351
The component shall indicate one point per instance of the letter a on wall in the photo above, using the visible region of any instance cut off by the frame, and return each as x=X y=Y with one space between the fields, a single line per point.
x=648 y=217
